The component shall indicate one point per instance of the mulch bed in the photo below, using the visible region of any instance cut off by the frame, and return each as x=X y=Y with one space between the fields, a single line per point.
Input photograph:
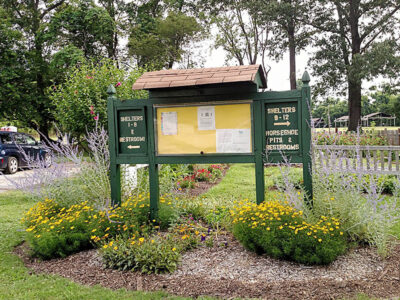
x=226 y=270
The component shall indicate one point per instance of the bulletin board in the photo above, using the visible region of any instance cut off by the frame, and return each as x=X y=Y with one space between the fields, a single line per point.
x=204 y=128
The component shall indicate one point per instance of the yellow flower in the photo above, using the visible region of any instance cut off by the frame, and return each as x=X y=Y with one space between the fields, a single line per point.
x=320 y=240
x=72 y=227
x=115 y=248
x=105 y=246
x=94 y=230
x=141 y=240
x=152 y=241
x=174 y=249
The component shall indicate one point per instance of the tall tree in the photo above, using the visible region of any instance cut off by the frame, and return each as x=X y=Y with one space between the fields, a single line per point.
x=242 y=31
x=289 y=34
x=31 y=18
x=116 y=11
x=161 y=33
x=359 y=40
x=86 y=26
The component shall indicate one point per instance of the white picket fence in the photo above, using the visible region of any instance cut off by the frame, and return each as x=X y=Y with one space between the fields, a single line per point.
x=360 y=159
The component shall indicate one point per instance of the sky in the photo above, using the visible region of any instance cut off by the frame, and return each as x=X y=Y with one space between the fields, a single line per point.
x=278 y=77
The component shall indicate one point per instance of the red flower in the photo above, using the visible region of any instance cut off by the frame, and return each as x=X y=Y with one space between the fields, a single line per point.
x=118 y=84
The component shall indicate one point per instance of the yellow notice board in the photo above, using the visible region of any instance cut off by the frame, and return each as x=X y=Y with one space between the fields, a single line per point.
x=204 y=129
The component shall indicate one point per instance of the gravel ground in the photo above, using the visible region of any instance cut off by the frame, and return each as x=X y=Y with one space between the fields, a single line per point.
x=231 y=271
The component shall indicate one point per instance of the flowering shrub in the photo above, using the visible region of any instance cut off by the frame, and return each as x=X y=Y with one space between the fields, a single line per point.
x=203 y=175
x=349 y=138
x=280 y=231
x=187 y=182
x=216 y=171
x=86 y=86
x=153 y=253
x=55 y=231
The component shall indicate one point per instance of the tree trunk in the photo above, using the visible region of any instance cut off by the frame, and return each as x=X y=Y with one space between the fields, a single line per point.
x=354 y=81
x=354 y=105
x=292 y=57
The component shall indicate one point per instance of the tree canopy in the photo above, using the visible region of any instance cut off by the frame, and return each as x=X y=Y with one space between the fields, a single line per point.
x=358 y=41
x=44 y=42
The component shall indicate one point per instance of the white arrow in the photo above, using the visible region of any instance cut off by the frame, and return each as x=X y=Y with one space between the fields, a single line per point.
x=133 y=147
x=287 y=123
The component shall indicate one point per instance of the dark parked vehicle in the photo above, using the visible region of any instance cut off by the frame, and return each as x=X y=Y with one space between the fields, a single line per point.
x=16 y=147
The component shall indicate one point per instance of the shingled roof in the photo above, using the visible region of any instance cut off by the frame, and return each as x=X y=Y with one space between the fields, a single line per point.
x=205 y=76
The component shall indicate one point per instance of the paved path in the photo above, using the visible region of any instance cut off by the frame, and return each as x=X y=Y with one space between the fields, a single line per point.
x=21 y=175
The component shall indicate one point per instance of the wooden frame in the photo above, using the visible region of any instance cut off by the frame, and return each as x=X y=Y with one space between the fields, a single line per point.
x=234 y=94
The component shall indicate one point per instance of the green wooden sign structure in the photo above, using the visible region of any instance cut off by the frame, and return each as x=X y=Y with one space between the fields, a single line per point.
x=280 y=126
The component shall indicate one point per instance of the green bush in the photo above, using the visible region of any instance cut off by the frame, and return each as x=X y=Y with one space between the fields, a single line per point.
x=216 y=171
x=281 y=232
x=151 y=255
x=56 y=231
x=203 y=175
x=385 y=183
x=83 y=96
x=350 y=138
x=50 y=245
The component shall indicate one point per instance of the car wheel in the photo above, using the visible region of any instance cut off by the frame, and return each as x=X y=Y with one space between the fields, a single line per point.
x=12 y=165
x=47 y=160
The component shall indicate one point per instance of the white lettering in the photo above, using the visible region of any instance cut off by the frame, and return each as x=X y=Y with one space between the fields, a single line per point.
x=131 y=119
x=132 y=139
x=283 y=147
x=282 y=132
x=280 y=110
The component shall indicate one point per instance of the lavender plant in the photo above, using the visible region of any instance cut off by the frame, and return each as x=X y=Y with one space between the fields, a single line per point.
x=353 y=195
x=73 y=177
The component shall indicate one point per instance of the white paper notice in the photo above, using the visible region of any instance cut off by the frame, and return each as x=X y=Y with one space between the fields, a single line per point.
x=206 y=117
x=169 y=123
x=233 y=141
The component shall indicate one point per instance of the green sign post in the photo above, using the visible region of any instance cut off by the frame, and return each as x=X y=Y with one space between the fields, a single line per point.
x=277 y=125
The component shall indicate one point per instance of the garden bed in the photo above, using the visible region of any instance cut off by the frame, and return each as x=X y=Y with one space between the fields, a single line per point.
x=203 y=186
x=228 y=270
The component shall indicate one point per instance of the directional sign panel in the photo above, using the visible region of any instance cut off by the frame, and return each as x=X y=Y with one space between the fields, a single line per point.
x=282 y=127
x=132 y=134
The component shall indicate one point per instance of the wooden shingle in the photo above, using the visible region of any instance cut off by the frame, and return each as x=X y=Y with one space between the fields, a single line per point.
x=205 y=76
